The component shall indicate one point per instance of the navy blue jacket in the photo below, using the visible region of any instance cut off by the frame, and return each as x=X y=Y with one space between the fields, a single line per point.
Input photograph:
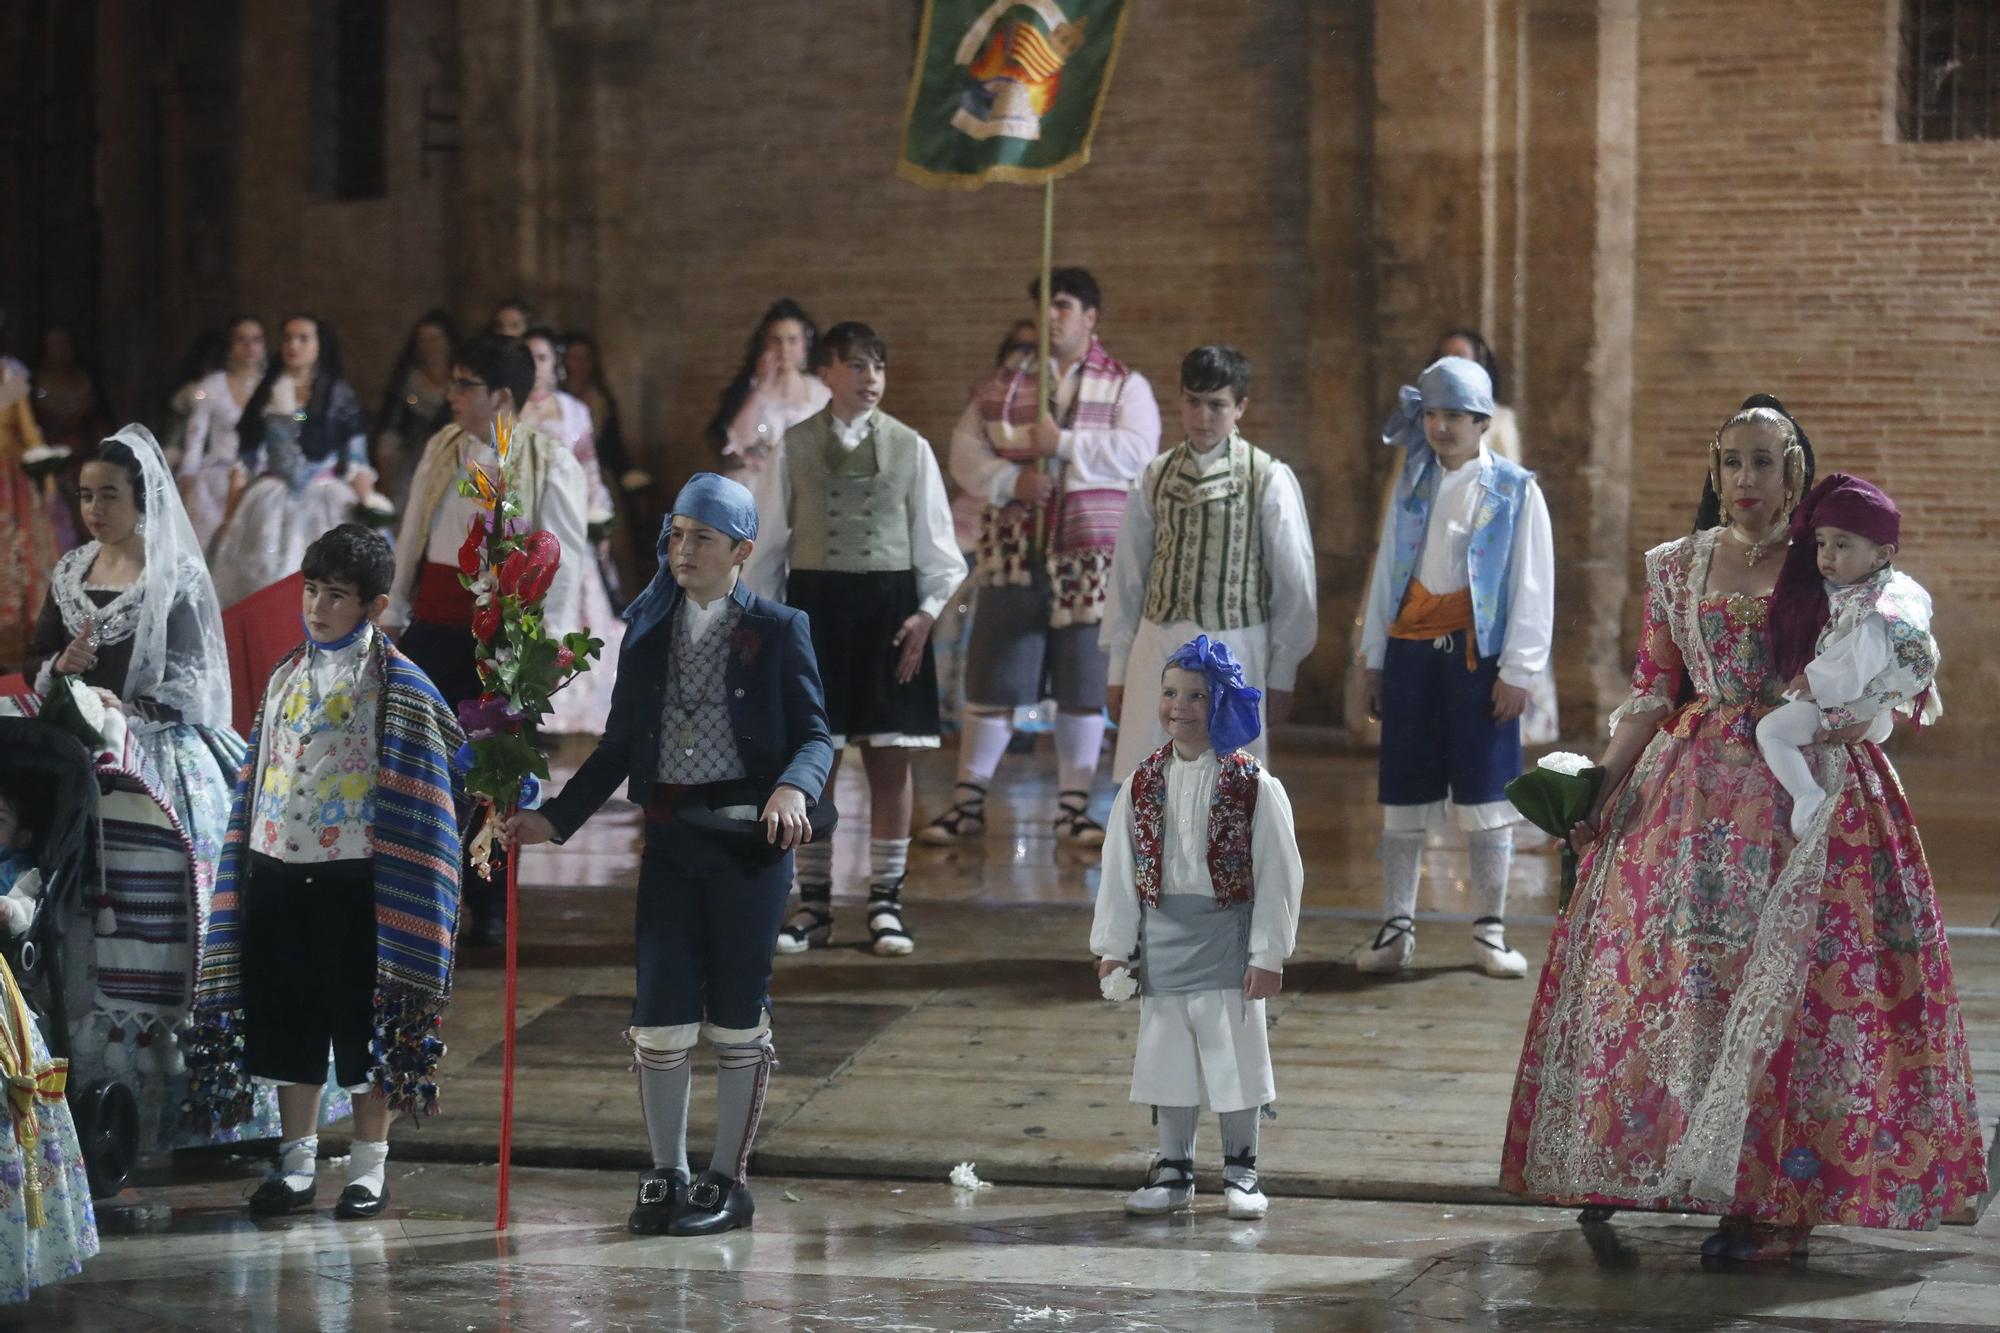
x=776 y=707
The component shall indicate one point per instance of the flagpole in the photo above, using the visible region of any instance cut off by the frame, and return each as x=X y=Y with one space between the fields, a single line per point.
x=513 y=853
x=1042 y=339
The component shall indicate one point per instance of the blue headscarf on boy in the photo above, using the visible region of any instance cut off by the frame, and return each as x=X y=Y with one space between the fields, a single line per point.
x=1232 y=704
x=722 y=504
x=1450 y=383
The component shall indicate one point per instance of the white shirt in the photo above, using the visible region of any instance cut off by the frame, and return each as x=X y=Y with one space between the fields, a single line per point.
x=1278 y=874
x=934 y=552
x=1097 y=460
x=561 y=514
x=1840 y=675
x=1531 y=571
x=1292 y=615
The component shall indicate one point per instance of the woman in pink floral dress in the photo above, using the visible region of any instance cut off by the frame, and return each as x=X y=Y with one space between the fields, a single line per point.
x=1730 y=1021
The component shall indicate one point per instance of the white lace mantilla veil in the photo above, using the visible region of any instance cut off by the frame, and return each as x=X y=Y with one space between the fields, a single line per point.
x=179 y=657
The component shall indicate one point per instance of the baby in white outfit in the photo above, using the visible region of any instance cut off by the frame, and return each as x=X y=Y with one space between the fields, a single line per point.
x=1874 y=656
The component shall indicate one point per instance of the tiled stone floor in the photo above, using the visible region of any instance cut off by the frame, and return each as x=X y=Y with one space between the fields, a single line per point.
x=880 y=1256
x=989 y=1043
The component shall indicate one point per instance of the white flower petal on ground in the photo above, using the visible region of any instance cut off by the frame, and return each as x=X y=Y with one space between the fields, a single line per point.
x=963 y=1177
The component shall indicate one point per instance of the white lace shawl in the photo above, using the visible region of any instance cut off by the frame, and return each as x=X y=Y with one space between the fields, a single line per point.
x=179 y=657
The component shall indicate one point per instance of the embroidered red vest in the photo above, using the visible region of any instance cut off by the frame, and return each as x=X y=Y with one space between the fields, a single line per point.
x=1230 y=817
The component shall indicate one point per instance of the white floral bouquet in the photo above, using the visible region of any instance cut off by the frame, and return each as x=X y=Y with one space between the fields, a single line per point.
x=45 y=461
x=1553 y=796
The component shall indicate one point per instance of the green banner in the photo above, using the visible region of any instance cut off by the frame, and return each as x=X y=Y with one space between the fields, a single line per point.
x=1008 y=90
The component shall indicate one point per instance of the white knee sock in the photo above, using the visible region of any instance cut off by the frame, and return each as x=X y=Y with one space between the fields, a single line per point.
x=982 y=739
x=296 y=1160
x=663 y=1096
x=1079 y=742
x=368 y=1166
x=812 y=869
x=1402 y=869
x=1177 y=1130
x=742 y=1072
x=1492 y=856
x=888 y=862
x=1239 y=1146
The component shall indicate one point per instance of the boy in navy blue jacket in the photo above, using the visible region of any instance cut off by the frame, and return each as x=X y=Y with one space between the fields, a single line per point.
x=718 y=728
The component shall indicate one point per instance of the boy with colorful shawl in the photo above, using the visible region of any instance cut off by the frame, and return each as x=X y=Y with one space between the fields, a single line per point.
x=1461 y=612
x=1201 y=887
x=336 y=905
x=1057 y=473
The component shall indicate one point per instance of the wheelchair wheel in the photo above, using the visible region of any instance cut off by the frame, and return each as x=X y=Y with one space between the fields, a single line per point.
x=107 y=1127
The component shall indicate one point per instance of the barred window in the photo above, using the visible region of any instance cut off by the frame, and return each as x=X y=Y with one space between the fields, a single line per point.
x=1949 y=76
x=349 y=92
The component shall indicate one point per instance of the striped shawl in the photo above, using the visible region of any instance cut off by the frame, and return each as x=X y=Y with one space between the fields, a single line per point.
x=418 y=809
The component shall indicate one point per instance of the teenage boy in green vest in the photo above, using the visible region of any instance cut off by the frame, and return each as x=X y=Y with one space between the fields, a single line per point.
x=864 y=524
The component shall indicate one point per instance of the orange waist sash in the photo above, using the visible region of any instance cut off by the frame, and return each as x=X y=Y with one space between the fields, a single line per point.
x=1429 y=615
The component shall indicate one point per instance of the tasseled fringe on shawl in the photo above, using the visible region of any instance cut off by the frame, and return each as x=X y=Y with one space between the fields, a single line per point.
x=404 y=1056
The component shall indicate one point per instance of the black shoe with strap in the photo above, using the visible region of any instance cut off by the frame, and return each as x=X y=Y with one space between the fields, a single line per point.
x=888 y=936
x=1073 y=824
x=714 y=1204
x=360 y=1201
x=661 y=1194
x=811 y=926
x=965 y=819
x=274 y=1198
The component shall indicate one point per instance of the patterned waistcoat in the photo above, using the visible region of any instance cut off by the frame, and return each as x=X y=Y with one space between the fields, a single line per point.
x=850 y=507
x=1208 y=538
x=1492 y=546
x=1230 y=818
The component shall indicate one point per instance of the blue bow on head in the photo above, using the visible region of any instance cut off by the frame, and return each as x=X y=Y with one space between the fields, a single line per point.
x=1232 y=704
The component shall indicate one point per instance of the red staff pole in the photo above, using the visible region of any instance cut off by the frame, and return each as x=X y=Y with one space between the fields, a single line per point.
x=513 y=852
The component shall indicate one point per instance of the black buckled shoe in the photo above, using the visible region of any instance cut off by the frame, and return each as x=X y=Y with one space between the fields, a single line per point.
x=715 y=1204
x=360 y=1201
x=660 y=1197
x=274 y=1198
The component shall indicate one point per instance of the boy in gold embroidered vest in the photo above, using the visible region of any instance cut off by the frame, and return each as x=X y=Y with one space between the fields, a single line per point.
x=860 y=515
x=1201 y=887
x=1214 y=541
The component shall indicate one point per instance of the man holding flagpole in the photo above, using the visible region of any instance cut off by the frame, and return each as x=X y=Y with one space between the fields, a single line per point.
x=1054 y=473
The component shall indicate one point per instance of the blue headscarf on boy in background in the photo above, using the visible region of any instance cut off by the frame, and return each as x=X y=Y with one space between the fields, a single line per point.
x=708 y=498
x=1232 y=704
x=1450 y=383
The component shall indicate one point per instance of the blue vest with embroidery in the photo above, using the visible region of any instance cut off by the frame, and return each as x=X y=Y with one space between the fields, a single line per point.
x=1487 y=555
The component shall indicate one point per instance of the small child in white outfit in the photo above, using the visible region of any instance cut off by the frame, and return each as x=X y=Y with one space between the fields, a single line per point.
x=1864 y=627
x=1201 y=883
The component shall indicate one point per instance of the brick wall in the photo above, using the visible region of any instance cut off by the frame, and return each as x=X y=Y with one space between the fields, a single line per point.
x=1787 y=243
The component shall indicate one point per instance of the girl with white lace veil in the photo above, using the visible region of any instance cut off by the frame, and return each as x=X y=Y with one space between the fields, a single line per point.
x=1732 y=1020
x=133 y=614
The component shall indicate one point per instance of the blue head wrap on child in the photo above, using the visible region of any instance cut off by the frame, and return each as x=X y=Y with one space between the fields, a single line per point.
x=722 y=504
x=1450 y=383
x=1232 y=704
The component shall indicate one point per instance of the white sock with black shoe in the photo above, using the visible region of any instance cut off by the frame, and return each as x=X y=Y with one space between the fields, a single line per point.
x=368 y=1165
x=811 y=925
x=1169 y=1186
x=1402 y=853
x=298 y=1163
x=1240 y=1188
x=1491 y=852
x=888 y=867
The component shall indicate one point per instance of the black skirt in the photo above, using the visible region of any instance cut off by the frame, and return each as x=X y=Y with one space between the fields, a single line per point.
x=854 y=619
